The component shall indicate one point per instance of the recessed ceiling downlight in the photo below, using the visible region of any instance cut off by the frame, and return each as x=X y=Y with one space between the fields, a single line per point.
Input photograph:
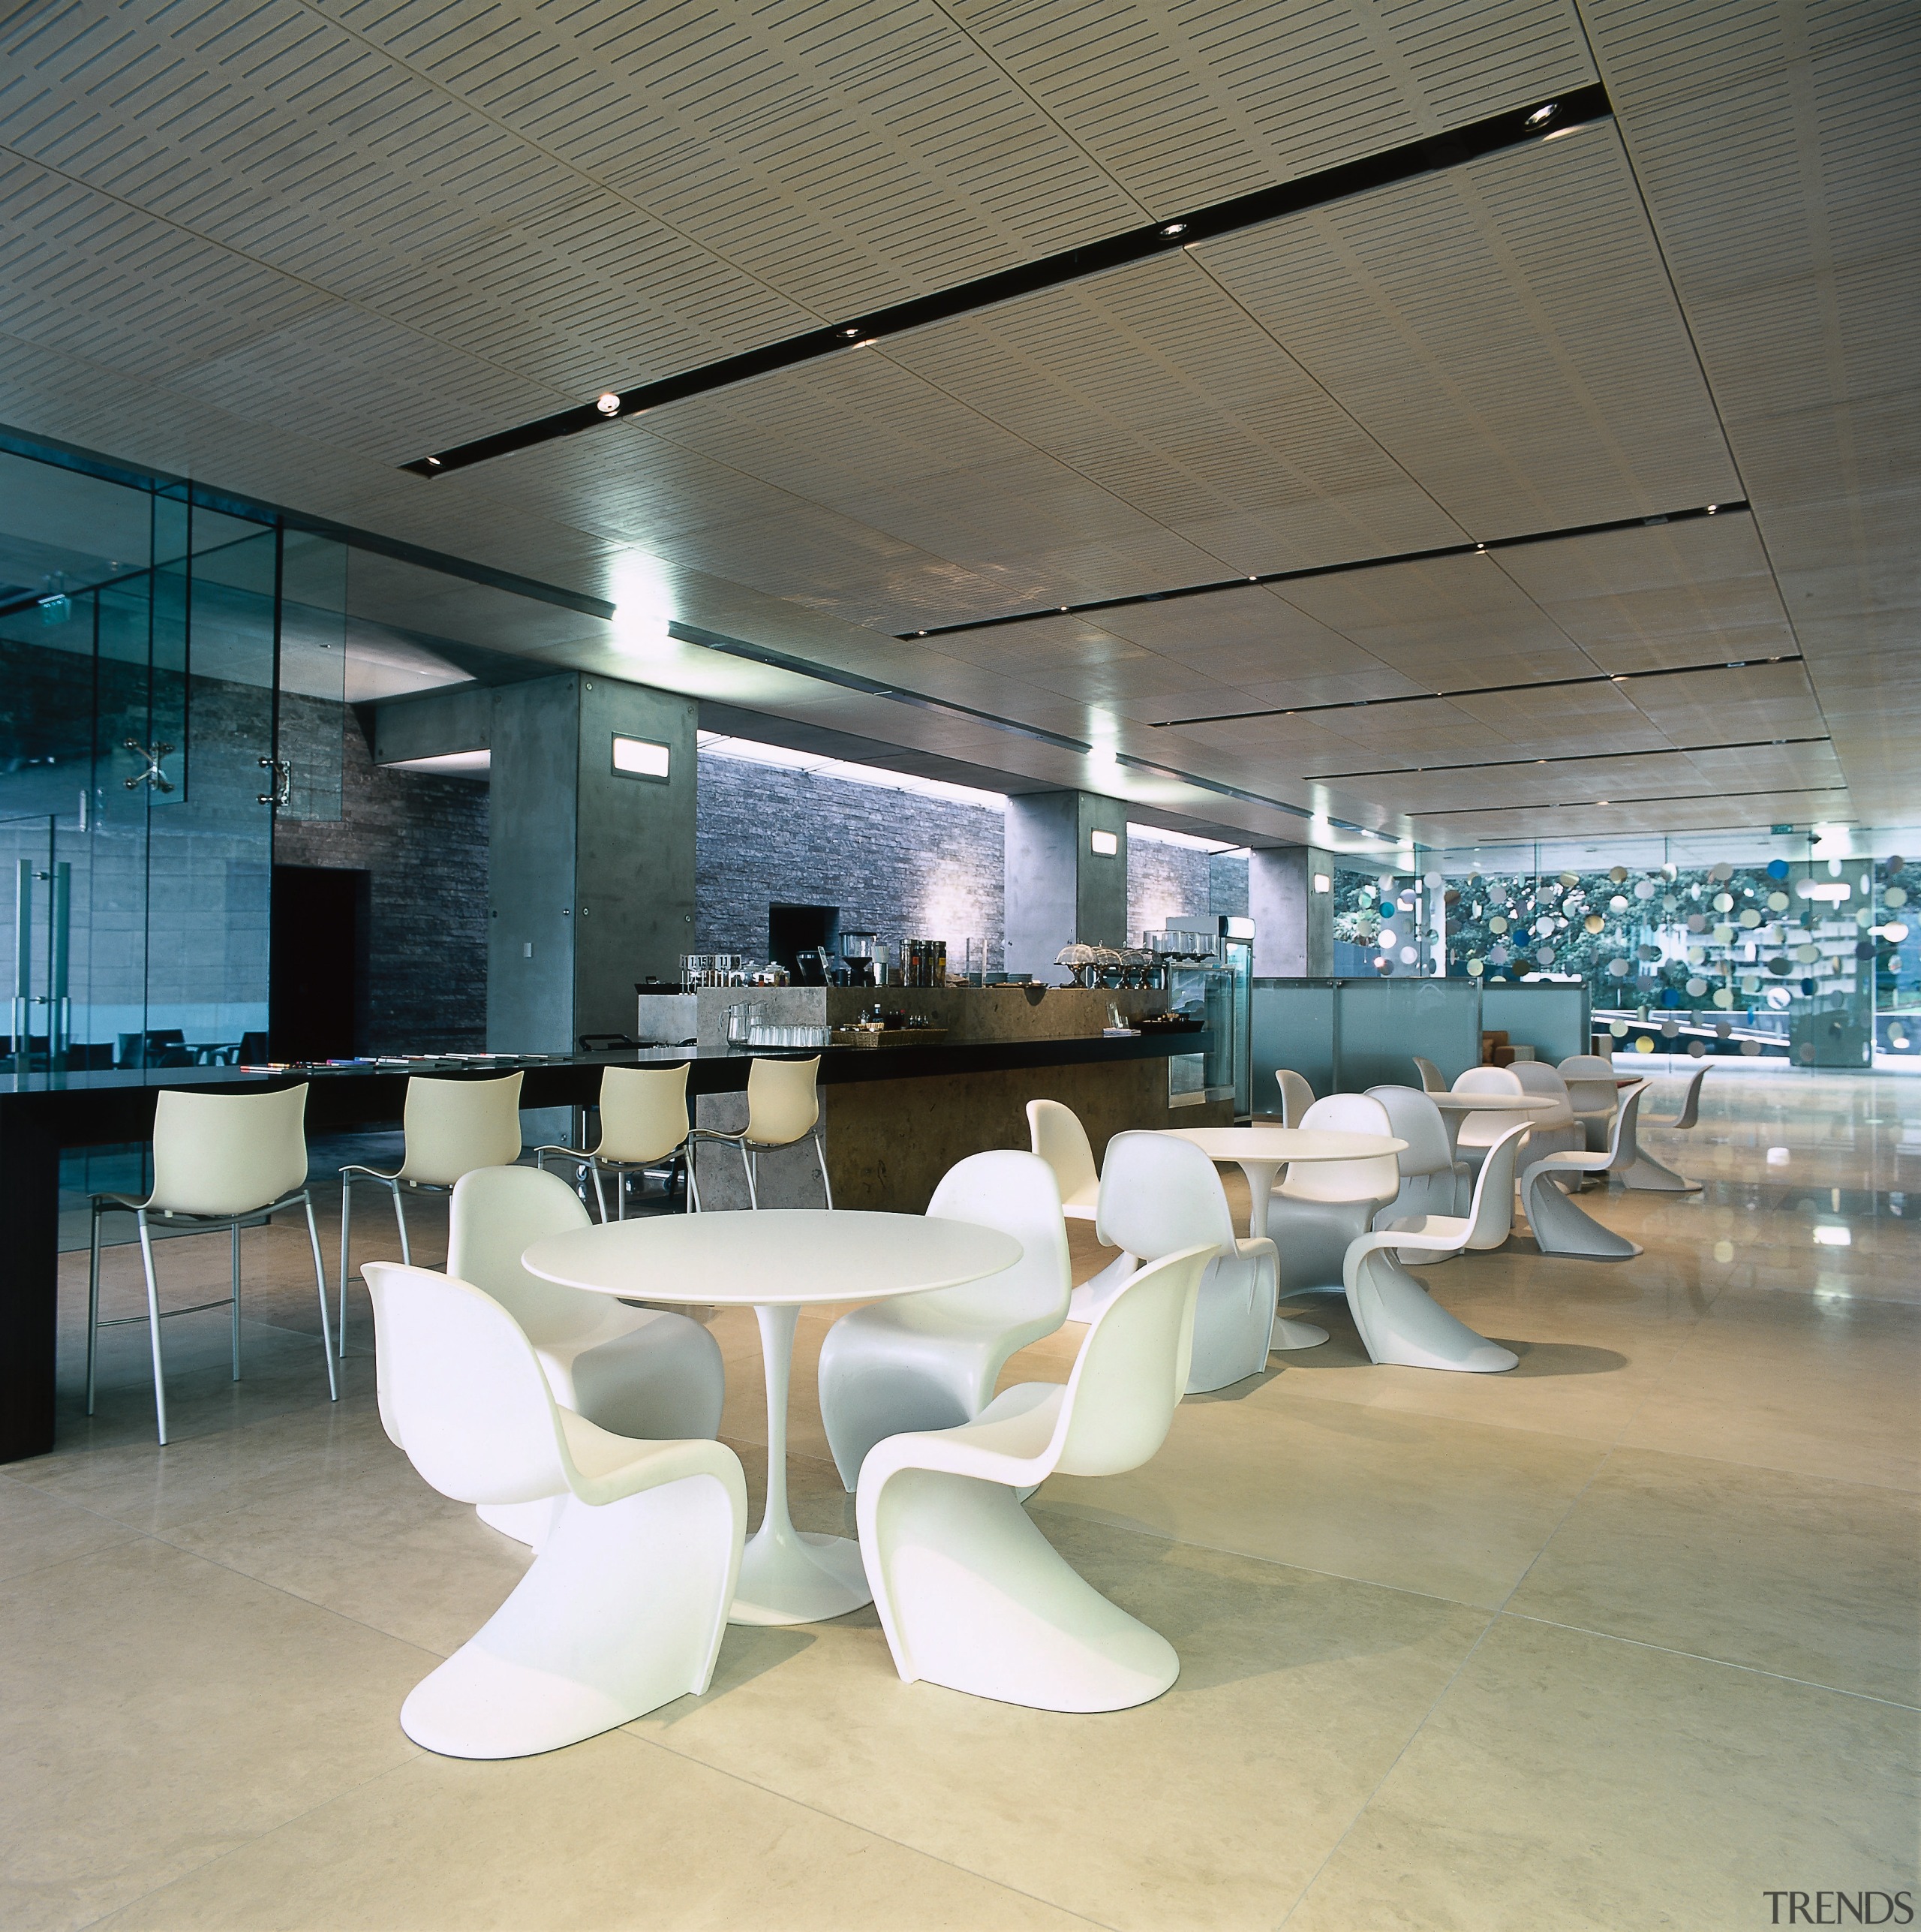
x=1543 y=114
x=608 y=404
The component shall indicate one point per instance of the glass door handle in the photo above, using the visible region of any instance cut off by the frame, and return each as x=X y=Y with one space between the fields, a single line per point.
x=282 y=794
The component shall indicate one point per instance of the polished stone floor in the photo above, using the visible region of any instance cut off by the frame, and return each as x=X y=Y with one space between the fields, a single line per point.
x=1627 y=1637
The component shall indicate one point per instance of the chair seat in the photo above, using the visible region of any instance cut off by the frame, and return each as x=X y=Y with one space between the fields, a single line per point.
x=607 y=1467
x=642 y=1374
x=1081 y=1204
x=1001 y=1444
x=1443 y=1233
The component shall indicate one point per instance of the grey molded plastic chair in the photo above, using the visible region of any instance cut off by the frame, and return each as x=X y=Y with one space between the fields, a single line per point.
x=1646 y=1173
x=1432 y=1080
x=452 y=1127
x=1322 y=1205
x=1478 y=1133
x=220 y=1160
x=1559 y=1226
x=1594 y=1095
x=1557 y=1132
x=1055 y=1133
x=1296 y=1096
x=783 y=1106
x=930 y=1361
x=1432 y=1181
x=644 y=1125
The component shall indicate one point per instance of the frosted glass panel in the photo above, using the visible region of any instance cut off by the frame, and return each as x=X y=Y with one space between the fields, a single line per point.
x=1382 y=1024
x=1552 y=1019
x=1293 y=1027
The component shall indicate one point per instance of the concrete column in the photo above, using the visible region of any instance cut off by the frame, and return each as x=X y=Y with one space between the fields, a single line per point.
x=1294 y=924
x=1059 y=889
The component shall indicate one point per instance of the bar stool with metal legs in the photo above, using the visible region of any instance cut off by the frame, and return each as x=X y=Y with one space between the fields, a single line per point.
x=220 y=1160
x=452 y=1127
x=783 y=1106
x=643 y=1125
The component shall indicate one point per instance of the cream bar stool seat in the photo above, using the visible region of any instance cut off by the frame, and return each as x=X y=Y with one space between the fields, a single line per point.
x=1594 y=1094
x=644 y=1125
x=219 y=1160
x=1556 y=1133
x=1432 y=1181
x=930 y=1361
x=1479 y=1132
x=1395 y=1319
x=1432 y=1080
x=641 y=1372
x=783 y=1106
x=970 y=1594
x=1322 y=1205
x=1296 y=1096
x=1160 y=1197
x=1559 y=1226
x=1055 y=1133
x=1644 y=1172
x=625 y=1605
x=452 y=1127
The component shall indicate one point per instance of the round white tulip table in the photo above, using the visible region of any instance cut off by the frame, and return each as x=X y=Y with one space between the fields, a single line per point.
x=1260 y=1152
x=778 y=1261
x=1455 y=1108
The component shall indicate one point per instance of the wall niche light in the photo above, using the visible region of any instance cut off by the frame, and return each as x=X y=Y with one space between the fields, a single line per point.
x=640 y=758
x=1105 y=844
x=1322 y=884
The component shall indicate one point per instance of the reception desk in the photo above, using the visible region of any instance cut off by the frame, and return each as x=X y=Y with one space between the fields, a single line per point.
x=896 y=1117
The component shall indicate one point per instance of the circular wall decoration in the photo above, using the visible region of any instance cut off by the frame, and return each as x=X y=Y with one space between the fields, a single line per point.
x=1779 y=967
x=1497 y=924
x=1408 y=955
x=1894 y=895
x=1644 y=889
x=1620 y=968
x=1752 y=1048
x=1433 y=881
x=1476 y=968
x=1618 y=874
x=1777 y=869
x=1723 y=902
x=1619 y=1028
x=1723 y=997
x=1808 y=955
x=1645 y=1044
x=1895 y=931
x=1389 y=937
x=1594 y=922
x=1698 y=921
x=1777 y=902
x=1570 y=879
x=1546 y=955
x=1722 y=873
x=1617 y=904
x=1696 y=987
x=1895 y=862
x=1497 y=956
x=1750 y=918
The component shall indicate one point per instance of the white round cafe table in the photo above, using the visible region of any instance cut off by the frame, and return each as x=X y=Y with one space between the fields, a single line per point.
x=1260 y=1152
x=778 y=1261
x=1455 y=1108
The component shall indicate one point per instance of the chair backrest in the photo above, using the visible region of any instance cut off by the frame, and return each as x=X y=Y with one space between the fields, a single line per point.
x=1377 y=1178
x=1016 y=1193
x=1489 y=1080
x=783 y=1101
x=1591 y=1088
x=1055 y=1135
x=643 y=1112
x=1541 y=1080
x=1159 y=1195
x=222 y=1153
x=1296 y=1096
x=1432 y=1081
x=1622 y=1150
x=496 y=1214
x=461 y=1391
x=456 y=1126
x=1690 y=1103
x=1491 y=1213
x=1412 y=1117
x=1132 y=1369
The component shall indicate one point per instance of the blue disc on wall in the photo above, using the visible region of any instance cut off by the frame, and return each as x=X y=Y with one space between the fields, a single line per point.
x=1777 y=869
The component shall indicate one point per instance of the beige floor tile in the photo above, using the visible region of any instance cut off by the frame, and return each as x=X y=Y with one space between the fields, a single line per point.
x=613 y=1834
x=1785 y=1573
x=157 y=1710
x=1568 y=1781
x=1454 y=1509
x=1208 y=1807
x=36 y=1530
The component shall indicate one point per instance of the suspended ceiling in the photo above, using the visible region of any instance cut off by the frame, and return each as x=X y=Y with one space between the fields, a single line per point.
x=287 y=248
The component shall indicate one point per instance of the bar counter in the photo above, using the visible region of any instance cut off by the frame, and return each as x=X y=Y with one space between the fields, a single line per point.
x=894 y=1115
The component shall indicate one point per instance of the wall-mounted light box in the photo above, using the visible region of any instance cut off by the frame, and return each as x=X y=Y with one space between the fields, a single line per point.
x=1322 y=884
x=1106 y=843
x=640 y=758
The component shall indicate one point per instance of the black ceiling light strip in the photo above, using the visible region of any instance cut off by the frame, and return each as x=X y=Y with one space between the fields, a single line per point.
x=1227 y=791
x=1663 y=798
x=1540 y=121
x=1567 y=758
x=853 y=680
x=1468 y=547
x=1482 y=690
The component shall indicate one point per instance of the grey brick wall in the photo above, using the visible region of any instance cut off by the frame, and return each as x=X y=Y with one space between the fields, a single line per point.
x=424 y=839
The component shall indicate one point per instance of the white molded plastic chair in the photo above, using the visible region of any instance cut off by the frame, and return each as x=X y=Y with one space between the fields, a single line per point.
x=1556 y=1133
x=1559 y=1227
x=1479 y=1132
x=638 y=1372
x=929 y=1361
x=971 y=1595
x=452 y=1127
x=1432 y=1181
x=1397 y=1321
x=624 y=1606
x=1296 y=1096
x=1160 y=1197
x=1646 y=1172
x=643 y=1124
x=219 y=1160
x=1322 y=1205
x=1432 y=1080
x=1593 y=1094
x=784 y=1106
x=1056 y=1134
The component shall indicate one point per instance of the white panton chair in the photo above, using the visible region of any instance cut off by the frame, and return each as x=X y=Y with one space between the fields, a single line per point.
x=1479 y=1132
x=1559 y=1226
x=1594 y=1095
x=643 y=1124
x=1161 y=1196
x=623 y=1608
x=1432 y=1080
x=1055 y=1135
x=451 y=1126
x=640 y=1372
x=1556 y=1133
x=1646 y=1173
x=1323 y=1204
x=970 y=1594
x=219 y=1160
x=1397 y=1320
x=783 y=1106
x=929 y=1361
x=1432 y=1181
x=1296 y=1096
